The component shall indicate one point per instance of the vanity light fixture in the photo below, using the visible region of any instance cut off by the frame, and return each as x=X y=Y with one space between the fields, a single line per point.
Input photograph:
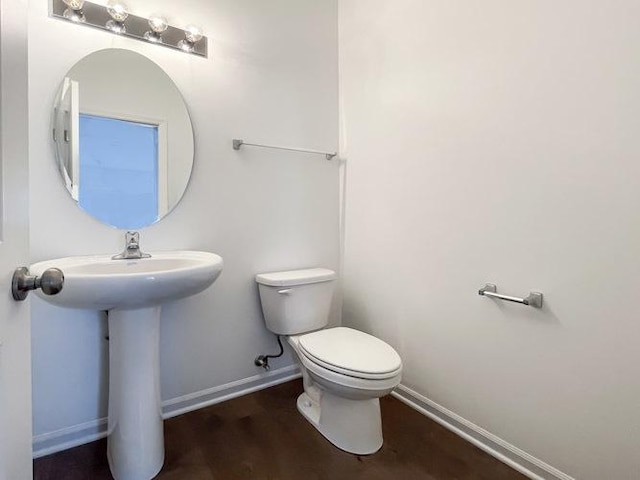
x=74 y=11
x=115 y=17
x=118 y=12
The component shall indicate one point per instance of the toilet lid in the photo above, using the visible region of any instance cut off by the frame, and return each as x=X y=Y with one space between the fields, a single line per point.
x=350 y=350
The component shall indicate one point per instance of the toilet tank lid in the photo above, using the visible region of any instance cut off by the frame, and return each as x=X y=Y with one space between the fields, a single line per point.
x=296 y=277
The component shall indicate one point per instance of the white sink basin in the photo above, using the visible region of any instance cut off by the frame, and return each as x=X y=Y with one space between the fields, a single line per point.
x=100 y=283
x=132 y=292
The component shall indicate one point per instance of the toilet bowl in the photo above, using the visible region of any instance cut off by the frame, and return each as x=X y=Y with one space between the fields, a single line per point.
x=344 y=371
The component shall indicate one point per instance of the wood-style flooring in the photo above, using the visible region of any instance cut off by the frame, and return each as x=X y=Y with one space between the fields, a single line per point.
x=262 y=436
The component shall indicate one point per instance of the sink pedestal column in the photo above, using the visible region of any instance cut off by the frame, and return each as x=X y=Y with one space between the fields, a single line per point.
x=136 y=439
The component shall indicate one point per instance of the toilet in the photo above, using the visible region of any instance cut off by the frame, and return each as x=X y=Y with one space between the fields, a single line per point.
x=344 y=371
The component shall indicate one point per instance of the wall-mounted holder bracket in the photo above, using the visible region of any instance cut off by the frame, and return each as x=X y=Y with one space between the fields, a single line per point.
x=533 y=300
x=51 y=282
x=96 y=16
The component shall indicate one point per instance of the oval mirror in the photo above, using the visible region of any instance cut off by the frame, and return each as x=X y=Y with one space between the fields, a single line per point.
x=123 y=138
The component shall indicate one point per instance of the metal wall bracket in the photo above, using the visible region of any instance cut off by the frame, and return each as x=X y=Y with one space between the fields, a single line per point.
x=533 y=300
x=51 y=282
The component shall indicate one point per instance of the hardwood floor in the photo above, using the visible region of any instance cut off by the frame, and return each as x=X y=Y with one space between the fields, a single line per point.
x=262 y=436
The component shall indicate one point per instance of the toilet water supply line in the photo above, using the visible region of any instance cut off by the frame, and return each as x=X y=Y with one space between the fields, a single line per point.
x=263 y=360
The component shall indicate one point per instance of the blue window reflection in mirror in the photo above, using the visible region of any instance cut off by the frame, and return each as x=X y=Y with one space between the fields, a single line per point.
x=119 y=172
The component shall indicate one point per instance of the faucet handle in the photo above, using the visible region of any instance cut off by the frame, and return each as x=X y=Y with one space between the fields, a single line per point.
x=131 y=248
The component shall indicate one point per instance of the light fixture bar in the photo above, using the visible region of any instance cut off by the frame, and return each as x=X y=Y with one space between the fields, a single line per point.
x=94 y=15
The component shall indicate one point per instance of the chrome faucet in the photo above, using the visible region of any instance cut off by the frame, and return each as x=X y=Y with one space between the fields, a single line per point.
x=131 y=248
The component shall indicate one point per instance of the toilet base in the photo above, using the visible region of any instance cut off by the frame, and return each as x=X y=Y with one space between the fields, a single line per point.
x=354 y=426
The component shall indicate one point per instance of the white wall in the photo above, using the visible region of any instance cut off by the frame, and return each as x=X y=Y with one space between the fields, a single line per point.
x=497 y=141
x=271 y=77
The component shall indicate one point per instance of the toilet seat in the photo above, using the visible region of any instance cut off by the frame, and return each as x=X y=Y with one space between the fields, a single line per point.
x=350 y=352
x=349 y=384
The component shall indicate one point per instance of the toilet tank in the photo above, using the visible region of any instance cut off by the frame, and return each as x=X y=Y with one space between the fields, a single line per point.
x=296 y=301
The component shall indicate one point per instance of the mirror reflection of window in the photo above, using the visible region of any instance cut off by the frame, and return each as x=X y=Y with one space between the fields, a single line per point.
x=119 y=170
x=146 y=98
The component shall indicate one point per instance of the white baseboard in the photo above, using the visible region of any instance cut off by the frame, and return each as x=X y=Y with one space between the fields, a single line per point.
x=69 y=437
x=495 y=446
x=76 y=435
x=194 y=401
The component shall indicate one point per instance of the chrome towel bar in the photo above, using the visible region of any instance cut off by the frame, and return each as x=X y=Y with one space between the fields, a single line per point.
x=533 y=300
x=237 y=143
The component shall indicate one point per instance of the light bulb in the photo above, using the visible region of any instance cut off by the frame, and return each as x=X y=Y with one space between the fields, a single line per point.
x=74 y=12
x=74 y=4
x=158 y=23
x=118 y=10
x=119 y=13
x=193 y=33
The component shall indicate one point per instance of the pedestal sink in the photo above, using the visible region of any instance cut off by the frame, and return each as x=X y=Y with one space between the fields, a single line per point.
x=132 y=291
